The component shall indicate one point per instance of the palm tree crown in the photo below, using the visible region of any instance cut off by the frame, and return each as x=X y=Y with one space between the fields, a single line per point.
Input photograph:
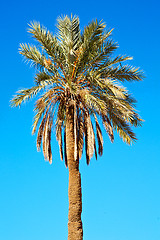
x=79 y=68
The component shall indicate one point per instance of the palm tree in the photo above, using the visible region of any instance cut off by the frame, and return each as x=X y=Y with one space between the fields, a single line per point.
x=80 y=84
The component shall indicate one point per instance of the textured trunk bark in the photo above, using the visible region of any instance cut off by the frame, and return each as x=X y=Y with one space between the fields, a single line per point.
x=75 y=231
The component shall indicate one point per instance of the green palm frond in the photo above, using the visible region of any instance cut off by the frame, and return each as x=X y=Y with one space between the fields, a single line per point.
x=92 y=40
x=116 y=60
x=32 y=53
x=123 y=128
x=47 y=41
x=69 y=32
x=124 y=73
x=26 y=94
x=70 y=39
x=42 y=76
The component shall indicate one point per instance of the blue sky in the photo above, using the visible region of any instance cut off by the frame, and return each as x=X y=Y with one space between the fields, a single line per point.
x=121 y=191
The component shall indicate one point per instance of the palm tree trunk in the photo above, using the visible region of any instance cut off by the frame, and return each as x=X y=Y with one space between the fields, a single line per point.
x=75 y=231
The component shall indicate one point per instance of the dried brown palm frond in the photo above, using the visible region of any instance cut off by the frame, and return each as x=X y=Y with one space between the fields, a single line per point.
x=49 y=143
x=95 y=148
x=59 y=138
x=59 y=124
x=40 y=131
x=45 y=138
x=89 y=138
x=99 y=137
x=37 y=118
x=40 y=104
x=65 y=149
x=108 y=127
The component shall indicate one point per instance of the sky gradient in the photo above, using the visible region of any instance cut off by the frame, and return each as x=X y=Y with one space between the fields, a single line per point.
x=121 y=190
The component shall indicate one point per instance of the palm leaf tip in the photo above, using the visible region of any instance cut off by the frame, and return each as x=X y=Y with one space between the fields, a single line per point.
x=13 y=102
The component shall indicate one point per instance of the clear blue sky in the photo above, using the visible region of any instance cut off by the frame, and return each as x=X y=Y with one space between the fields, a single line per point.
x=121 y=191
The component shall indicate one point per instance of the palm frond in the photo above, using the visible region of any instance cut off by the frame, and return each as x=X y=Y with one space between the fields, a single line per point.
x=99 y=137
x=69 y=33
x=108 y=127
x=37 y=117
x=115 y=89
x=59 y=138
x=33 y=54
x=26 y=94
x=40 y=132
x=89 y=138
x=65 y=149
x=47 y=40
x=94 y=140
x=45 y=138
x=118 y=59
x=103 y=53
x=124 y=73
x=70 y=39
x=123 y=129
x=47 y=100
x=49 y=152
x=95 y=103
x=92 y=38
x=42 y=76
